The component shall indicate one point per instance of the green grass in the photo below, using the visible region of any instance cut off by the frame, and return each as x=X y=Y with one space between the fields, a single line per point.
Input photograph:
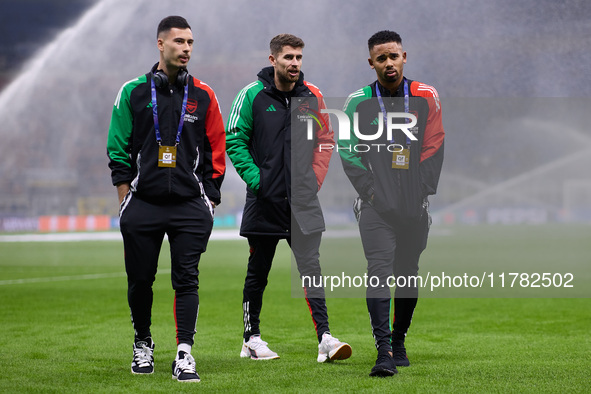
x=65 y=327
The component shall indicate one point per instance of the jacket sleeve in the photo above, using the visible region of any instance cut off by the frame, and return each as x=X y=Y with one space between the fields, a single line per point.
x=238 y=137
x=118 y=140
x=215 y=148
x=357 y=170
x=432 y=149
x=324 y=141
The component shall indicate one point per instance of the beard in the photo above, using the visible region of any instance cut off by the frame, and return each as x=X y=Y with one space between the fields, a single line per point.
x=390 y=78
x=287 y=78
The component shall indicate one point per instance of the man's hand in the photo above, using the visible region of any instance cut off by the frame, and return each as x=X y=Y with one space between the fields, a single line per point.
x=122 y=190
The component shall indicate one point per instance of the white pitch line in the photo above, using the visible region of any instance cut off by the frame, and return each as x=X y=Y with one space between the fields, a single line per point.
x=67 y=278
x=63 y=237
x=97 y=236
x=67 y=237
x=216 y=235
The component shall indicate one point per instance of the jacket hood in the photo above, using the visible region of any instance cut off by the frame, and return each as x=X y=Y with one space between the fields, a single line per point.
x=267 y=76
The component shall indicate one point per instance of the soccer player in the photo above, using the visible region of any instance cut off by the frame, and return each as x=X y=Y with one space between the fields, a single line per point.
x=166 y=147
x=393 y=186
x=260 y=141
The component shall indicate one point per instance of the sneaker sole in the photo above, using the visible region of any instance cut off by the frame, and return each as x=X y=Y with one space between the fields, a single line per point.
x=402 y=363
x=244 y=354
x=185 y=380
x=142 y=373
x=263 y=358
x=383 y=373
x=342 y=353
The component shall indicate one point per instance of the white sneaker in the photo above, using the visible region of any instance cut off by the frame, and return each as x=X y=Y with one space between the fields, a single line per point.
x=331 y=349
x=257 y=349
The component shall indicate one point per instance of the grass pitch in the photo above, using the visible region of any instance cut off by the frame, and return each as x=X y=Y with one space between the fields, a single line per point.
x=65 y=327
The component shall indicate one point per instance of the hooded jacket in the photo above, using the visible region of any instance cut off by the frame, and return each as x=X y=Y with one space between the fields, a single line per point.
x=400 y=192
x=283 y=166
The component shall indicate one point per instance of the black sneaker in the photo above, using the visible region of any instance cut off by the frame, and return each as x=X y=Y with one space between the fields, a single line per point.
x=384 y=365
x=183 y=368
x=399 y=354
x=143 y=357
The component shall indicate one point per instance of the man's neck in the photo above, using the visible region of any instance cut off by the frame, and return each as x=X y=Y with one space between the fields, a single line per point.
x=392 y=87
x=170 y=73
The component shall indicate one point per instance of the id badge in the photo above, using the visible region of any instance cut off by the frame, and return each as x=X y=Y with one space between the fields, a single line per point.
x=167 y=156
x=400 y=160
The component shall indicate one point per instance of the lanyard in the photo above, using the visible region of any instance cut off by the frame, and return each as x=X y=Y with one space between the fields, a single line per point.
x=155 y=113
x=406 y=107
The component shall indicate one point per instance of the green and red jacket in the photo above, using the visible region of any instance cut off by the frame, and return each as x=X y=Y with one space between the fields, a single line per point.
x=132 y=147
x=401 y=192
x=283 y=169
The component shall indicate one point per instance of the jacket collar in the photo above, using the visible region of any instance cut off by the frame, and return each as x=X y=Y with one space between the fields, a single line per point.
x=399 y=92
x=267 y=76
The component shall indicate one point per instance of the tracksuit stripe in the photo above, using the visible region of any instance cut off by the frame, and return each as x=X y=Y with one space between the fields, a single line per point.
x=359 y=93
x=311 y=313
x=246 y=310
x=235 y=115
x=176 y=323
x=120 y=93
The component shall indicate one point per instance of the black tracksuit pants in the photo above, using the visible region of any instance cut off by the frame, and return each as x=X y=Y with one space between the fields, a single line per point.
x=392 y=247
x=305 y=249
x=143 y=224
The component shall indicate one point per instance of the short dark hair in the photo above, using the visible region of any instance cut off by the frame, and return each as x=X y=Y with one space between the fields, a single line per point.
x=171 y=22
x=278 y=42
x=383 y=37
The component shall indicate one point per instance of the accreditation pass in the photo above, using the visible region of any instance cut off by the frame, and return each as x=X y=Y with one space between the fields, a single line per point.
x=167 y=156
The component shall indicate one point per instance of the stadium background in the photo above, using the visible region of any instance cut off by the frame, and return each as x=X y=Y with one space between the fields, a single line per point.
x=511 y=156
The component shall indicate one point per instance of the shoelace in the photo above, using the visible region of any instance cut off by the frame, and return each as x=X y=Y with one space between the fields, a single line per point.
x=143 y=356
x=257 y=343
x=329 y=342
x=187 y=364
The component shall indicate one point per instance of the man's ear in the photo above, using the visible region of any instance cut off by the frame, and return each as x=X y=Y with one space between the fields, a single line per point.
x=370 y=62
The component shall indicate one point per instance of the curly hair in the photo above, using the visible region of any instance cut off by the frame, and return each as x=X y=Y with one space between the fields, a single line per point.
x=383 y=37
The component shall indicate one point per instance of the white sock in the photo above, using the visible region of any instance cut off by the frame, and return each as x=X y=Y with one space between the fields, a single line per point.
x=184 y=347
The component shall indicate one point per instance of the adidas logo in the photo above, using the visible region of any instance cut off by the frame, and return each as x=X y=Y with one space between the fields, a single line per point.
x=271 y=108
x=375 y=122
